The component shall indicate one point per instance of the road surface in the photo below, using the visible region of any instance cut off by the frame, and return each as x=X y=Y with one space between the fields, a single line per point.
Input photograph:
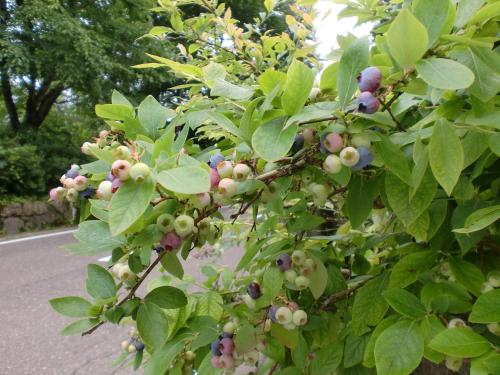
x=34 y=269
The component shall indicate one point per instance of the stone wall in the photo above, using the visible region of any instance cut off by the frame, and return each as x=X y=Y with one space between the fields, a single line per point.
x=28 y=216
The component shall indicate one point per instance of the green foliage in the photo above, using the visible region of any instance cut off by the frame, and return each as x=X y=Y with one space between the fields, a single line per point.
x=346 y=268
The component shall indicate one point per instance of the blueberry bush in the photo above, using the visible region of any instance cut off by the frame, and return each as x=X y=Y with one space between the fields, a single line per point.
x=363 y=191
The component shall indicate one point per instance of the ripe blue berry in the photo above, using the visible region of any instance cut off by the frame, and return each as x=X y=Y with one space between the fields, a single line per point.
x=215 y=348
x=87 y=193
x=272 y=313
x=367 y=103
x=253 y=290
x=72 y=173
x=216 y=159
x=369 y=79
x=284 y=262
x=298 y=143
x=139 y=346
x=365 y=159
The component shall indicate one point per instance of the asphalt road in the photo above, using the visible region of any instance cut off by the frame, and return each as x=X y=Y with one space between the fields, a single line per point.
x=33 y=271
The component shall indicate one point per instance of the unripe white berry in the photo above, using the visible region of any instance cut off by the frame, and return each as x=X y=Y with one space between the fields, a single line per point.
x=494 y=328
x=486 y=287
x=103 y=133
x=319 y=193
x=165 y=222
x=453 y=363
x=289 y=326
x=332 y=164
x=104 y=191
x=225 y=169
x=69 y=183
x=241 y=172
x=131 y=349
x=200 y=201
x=184 y=225
x=189 y=356
x=299 y=318
x=250 y=302
x=314 y=93
x=72 y=195
x=125 y=273
x=86 y=148
x=115 y=270
x=139 y=172
x=494 y=279
x=81 y=183
x=456 y=323
x=284 y=315
x=251 y=358
x=227 y=187
x=349 y=156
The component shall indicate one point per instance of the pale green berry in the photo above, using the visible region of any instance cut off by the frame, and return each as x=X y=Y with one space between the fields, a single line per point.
x=453 y=363
x=284 y=315
x=494 y=328
x=184 y=225
x=72 y=195
x=298 y=257
x=349 y=156
x=361 y=140
x=241 y=172
x=165 y=222
x=131 y=349
x=290 y=275
x=229 y=327
x=332 y=164
x=125 y=345
x=289 y=326
x=299 y=318
x=494 y=279
x=227 y=187
x=189 y=356
x=486 y=287
x=302 y=282
x=139 y=172
x=251 y=358
x=125 y=274
x=122 y=152
x=267 y=325
x=104 y=191
x=225 y=169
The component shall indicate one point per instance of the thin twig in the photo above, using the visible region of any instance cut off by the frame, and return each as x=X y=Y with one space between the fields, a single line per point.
x=388 y=109
x=341 y=295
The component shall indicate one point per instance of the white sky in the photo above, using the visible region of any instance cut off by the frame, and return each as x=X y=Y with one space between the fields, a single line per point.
x=327 y=28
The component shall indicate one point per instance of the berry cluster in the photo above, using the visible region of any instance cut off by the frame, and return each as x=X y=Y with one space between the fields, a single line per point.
x=133 y=344
x=296 y=268
x=368 y=83
x=223 y=174
x=356 y=158
x=290 y=316
x=73 y=186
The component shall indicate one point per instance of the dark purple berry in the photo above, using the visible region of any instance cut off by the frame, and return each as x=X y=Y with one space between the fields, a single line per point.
x=158 y=249
x=298 y=143
x=87 y=193
x=72 y=173
x=226 y=346
x=369 y=79
x=216 y=159
x=284 y=262
x=253 y=290
x=215 y=347
x=365 y=159
x=272 y=313
x=367 y=103
x=139 y=346
x=226 y=335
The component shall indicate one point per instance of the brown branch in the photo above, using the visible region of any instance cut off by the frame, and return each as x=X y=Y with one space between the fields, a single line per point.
x=388 y=109
x=341 y=295
x=10 y=105
x=331 y=118
x=132 y=291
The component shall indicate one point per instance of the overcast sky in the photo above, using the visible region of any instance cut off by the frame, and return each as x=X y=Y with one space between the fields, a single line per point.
x=327 y=28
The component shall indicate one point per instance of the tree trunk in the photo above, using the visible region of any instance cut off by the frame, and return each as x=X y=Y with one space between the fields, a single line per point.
x=10 y=105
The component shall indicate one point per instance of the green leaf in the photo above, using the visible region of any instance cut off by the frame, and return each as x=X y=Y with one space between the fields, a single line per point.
x=480 y=219
x=95 y=237
x=408 y=210
x=152 y=116
x=431 y=326
x=485 y=13
x=394 y=159
x=270 y=79
x=369 y=356
x=445 y=74
x=494 y=143
x=405 y=303
x=118 y=98
x=327 y=359
x=318 y=280
x=114 y=111
x=407 y=39
x=75 y=307
x=300 y=352
x=359 y=203
x=206 y=367
x=231 y=91
x=445 y=297
x=353 y=60
x=406 y=271
x=354 y=349
x=399 y=349
x=210 y=304
x=271 y=141
x=487 y=308
x=467 y=274
x=152 y=324
x=434 y=15
x=170 y=261
x=465 y=10
x=167 y=297
x=100 y=284
x=79 y=326
x=272 y=282
x=460 y=343
x=129 y=203
x=185 y=180
x=286 y=337
x=446 y=155
x=245 y=339
x=299 y=82
x=162 y=358
x=329 y=77
x=369 y=308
